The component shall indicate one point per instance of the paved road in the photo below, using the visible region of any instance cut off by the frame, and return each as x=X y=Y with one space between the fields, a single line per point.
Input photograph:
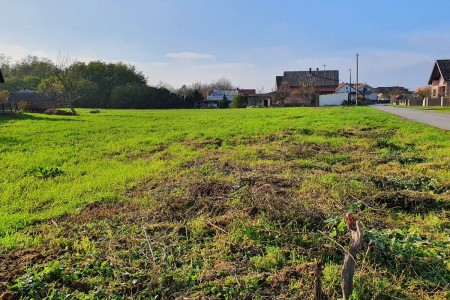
x=437 y=119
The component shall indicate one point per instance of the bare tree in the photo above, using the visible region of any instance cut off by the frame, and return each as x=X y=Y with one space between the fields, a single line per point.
x=68 y=85
x=260 y=95
x=282 y=93
x=206 y=88
x=221 y=84
x=308 y=92
x=165 y=85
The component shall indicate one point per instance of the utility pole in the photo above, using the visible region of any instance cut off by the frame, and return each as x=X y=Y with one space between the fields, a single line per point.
x=350 y=83
x=324 y=67
x=356 y=102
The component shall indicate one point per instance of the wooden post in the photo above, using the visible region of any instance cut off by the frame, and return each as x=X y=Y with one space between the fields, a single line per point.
x=348 y=269
x=318 y=274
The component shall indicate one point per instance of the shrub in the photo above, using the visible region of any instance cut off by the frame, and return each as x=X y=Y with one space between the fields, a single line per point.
x=29 y=107
x=45 y=172
x=238 y=101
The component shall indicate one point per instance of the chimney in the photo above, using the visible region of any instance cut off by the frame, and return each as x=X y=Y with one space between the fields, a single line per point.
x=317 y=69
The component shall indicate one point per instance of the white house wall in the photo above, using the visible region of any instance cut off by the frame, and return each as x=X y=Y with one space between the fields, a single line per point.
x=333 y=99
x=371 y=97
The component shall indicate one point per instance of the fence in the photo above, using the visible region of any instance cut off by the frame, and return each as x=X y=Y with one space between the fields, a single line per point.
x=441 y=101
x=7 y=107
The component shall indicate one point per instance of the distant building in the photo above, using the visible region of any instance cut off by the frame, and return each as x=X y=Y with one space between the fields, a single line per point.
x=422 y=92
x=305 y=87
x=440 y=79
x=261 y=100
x=368 y=92
x=347 y=88
x=346 y=92
x=215 y=96
x=34 y=101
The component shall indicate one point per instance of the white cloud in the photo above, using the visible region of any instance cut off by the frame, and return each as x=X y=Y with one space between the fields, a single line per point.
x=429 y=39
x=189 y=55
x=17 y=52
x=243 y=75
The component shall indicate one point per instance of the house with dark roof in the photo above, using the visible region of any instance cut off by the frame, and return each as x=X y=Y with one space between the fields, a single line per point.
x=305 y=87
x=440 y=78
x=368 y=92
x=216 y=96
x=33 y=101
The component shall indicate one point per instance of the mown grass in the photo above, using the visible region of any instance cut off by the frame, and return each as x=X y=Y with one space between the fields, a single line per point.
x=444 y=109
x=221 y=204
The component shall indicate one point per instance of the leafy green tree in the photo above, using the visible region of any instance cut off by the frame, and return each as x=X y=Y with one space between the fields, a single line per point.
x=31 y=82
x=224 y=103
x=5 y=64
x=26 y=73
x=107 y=77
x=131 y=96
x=238 y=101
x=143 y=96
x=12 y=84
x=33 y=66
x=190 y=98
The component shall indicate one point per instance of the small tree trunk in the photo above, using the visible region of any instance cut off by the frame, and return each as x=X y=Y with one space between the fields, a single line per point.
x=72 y=108
x=318 y=274
x=348 y=269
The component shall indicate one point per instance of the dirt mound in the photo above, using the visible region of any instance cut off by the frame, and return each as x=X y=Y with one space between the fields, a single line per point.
x=405 y=200
x=54 y=111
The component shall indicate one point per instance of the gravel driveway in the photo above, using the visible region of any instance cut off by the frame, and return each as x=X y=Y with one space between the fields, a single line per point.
x=437 y=119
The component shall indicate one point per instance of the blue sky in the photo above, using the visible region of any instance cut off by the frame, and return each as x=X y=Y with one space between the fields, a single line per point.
x=248 y=42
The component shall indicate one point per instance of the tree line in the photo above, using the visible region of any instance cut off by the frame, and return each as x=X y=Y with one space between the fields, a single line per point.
x=97 y=84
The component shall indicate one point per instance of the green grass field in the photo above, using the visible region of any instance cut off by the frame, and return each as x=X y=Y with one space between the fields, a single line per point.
x=221 y=204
